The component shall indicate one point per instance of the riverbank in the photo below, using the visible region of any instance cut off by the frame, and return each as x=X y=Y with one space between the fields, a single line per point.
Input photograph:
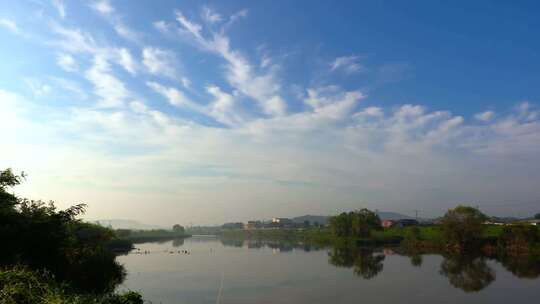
x=421 y=238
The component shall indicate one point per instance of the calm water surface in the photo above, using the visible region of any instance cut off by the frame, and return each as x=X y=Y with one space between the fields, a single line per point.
x=218 y=271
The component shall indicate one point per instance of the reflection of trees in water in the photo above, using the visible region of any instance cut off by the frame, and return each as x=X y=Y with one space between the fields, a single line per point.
x=416 y=260
x=470 y=274
x=278 y=245
x=362 y=259
x=178 y=242
x=526 y=267
x=232 y=242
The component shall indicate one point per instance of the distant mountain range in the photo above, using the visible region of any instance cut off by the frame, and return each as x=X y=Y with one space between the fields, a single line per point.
x=126 y=224
x=323 y=219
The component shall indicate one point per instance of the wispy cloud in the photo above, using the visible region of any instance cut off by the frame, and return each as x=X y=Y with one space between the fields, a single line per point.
x=159 y=62
x=210 y=15
x=127 y=61
x=102 y=6
x=60 y=7
x=111 y=90
x=348 y=64
x=485 y=116
x=174 y=96
x=10 y=25
x=66 y=62
x=263 y=87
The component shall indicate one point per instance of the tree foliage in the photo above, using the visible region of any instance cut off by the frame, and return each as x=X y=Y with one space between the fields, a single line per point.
x=178 y=229
x=36 y=234
x=519 y=238
x=355 y=223
x=463 y=226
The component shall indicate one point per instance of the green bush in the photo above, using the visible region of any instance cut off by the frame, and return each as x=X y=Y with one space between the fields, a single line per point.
x=19 y=285
x=463 y=226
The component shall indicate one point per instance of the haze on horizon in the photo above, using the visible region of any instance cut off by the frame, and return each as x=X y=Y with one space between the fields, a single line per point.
x=206 y=112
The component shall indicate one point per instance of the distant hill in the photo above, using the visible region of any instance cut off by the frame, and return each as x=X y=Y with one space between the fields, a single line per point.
x=322 y=219
x=127 y=224
x=392 y=216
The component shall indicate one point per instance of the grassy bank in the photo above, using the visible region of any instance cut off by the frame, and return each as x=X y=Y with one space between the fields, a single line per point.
x=20 y=285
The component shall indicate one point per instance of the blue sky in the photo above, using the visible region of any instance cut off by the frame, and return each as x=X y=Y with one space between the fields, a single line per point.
x=232 y=110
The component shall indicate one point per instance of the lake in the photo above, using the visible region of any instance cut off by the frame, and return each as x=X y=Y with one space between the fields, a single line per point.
x=209 y=270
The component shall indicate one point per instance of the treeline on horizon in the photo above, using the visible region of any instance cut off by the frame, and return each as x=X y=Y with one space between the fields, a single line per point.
x=462 y=229
x=51 y=256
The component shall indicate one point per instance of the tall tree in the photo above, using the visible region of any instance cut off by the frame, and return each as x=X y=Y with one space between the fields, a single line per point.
x=463 y=226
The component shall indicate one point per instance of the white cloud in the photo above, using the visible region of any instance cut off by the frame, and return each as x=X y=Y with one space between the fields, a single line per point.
x=111 y=90
x=186 y=82
x=74 y=40
x=161 y=26
x=174 y=96
x=159 y=62
x=127 y=61
x=348 y=64
x=126 y=32
x=60 y=7
x=485 y=116
x=210 y=15
x=103 y=7
x=262 y=87
x=10 y=25
x=223 y=108
x=37 y=87
x=70 y=86
x=236 y=16
x=66 y=62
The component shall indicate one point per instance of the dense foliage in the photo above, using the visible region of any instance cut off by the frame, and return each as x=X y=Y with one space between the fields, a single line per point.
x=355 y=223
x=20 y=285
x=519 y=238
x=463 y=226
x=36 y=234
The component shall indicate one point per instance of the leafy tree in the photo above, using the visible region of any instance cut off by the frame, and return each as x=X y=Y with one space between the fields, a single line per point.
x=355 y=224
x=36 y=234
x=8 y=180
x=537 y=216
x=463 y=226
x=340 y=225
x=363 y=221
x=519 y=238
x=178 y=228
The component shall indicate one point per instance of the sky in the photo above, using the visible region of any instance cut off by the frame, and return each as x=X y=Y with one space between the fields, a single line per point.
x=201 y=112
